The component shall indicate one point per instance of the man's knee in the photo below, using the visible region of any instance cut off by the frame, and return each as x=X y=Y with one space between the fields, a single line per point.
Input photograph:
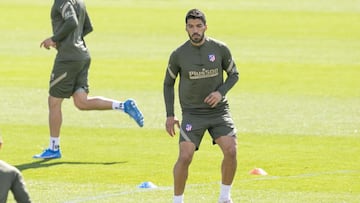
x=186 y=152
x=80 y=100
x=54 y=103
x=80 y=105
x=228 y=145
x=230 y=151
x=185 y=159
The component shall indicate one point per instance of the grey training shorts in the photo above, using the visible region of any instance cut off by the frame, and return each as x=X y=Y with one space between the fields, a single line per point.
x=68 y=76
x=193 y=127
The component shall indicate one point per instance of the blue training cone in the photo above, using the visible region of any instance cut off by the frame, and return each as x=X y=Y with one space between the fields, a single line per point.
x=147 y=184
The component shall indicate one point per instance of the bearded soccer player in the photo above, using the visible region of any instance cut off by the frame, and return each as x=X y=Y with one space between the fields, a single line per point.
x=200 y=63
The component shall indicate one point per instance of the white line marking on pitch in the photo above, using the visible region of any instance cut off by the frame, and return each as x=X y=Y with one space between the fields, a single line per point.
x=117 y=194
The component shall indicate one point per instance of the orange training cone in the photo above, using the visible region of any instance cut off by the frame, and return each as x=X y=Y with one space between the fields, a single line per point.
x=258 y=171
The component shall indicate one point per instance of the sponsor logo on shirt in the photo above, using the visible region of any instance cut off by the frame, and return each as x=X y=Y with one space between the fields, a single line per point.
x=204 y=73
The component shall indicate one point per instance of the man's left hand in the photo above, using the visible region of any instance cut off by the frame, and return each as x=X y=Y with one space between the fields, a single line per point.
x=213 y=98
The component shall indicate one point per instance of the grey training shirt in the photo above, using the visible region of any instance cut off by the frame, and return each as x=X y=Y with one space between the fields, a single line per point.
x=201 y=71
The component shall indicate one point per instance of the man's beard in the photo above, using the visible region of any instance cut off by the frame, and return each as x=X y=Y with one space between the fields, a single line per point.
x=198 y=40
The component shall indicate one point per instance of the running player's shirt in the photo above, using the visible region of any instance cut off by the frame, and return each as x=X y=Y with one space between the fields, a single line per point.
x=201 y=71
x=70 y=23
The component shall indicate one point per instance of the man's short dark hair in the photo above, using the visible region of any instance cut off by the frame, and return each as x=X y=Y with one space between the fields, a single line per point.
x=195 y=14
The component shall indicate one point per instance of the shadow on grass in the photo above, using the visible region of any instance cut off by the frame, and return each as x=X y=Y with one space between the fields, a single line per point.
x=44 y=163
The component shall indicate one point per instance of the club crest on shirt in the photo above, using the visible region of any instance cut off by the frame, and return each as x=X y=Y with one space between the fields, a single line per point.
x=188 y=127
x=211 y=57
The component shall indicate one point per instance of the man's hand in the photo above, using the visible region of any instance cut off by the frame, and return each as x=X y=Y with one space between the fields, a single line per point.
x=170 y=125
x=213 y=98
x=47 y=43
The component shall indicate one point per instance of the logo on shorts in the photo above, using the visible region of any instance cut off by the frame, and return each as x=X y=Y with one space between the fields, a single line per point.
x=188 y=127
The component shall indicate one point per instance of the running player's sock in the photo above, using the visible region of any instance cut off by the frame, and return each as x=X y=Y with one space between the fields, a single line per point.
x=178 y=198
x=118 y=105
x=54 y=143
x=225 y=192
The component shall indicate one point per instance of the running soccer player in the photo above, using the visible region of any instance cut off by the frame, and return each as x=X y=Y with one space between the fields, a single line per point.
x=69 y=76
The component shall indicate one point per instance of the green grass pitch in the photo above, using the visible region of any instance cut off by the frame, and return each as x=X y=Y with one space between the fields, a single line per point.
x=296 y=106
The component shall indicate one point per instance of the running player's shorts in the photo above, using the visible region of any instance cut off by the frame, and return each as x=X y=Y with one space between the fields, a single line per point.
x=193 y=127
x=69 y=76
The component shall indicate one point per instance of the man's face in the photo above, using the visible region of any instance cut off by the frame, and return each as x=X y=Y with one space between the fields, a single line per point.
x=196 y=30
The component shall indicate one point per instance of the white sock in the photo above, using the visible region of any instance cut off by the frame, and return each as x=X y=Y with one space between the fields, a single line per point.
x=225 y=192
x=54 y=143
x=178 y=198
x=116 y=105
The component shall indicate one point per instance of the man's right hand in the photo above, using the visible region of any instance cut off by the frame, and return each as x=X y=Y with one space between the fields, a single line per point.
x=170 y=125
x=47 y=43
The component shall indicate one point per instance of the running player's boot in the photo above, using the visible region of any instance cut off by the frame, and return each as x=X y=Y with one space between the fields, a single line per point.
x=48 y=154
x=133 y=111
